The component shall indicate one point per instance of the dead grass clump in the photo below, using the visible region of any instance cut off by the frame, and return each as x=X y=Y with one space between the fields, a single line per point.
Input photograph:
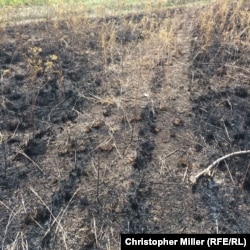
x=222 y=39
x=227 y=21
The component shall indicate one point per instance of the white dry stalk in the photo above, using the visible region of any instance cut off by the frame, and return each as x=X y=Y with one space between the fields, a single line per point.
x=229 y=173
x=65 y=209
x=25 y=155
x=55 y=218
x=13 y=245
x=185 y=174
x=11 y=218
x=208 y=170
x=59 y=218
x=95 y=232
x=24 y=242
x=227 y=132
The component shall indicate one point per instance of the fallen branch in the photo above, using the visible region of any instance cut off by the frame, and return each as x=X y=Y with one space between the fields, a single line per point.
x=208 y=170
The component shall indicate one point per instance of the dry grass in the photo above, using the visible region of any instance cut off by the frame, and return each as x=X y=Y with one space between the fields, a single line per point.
x=225 y=24
x=228 y=21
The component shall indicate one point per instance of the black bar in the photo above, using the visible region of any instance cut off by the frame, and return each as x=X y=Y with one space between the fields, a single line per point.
x=166 y=241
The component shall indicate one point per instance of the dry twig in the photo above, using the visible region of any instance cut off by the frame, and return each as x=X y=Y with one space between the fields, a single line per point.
x=208 y=170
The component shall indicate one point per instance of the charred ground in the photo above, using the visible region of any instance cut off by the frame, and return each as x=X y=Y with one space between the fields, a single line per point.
x=104 y=120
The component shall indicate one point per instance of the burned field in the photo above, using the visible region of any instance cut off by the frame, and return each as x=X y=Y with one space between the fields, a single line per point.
x=104 y=121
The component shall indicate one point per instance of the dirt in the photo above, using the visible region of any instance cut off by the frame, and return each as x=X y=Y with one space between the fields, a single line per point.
x=95 y=142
